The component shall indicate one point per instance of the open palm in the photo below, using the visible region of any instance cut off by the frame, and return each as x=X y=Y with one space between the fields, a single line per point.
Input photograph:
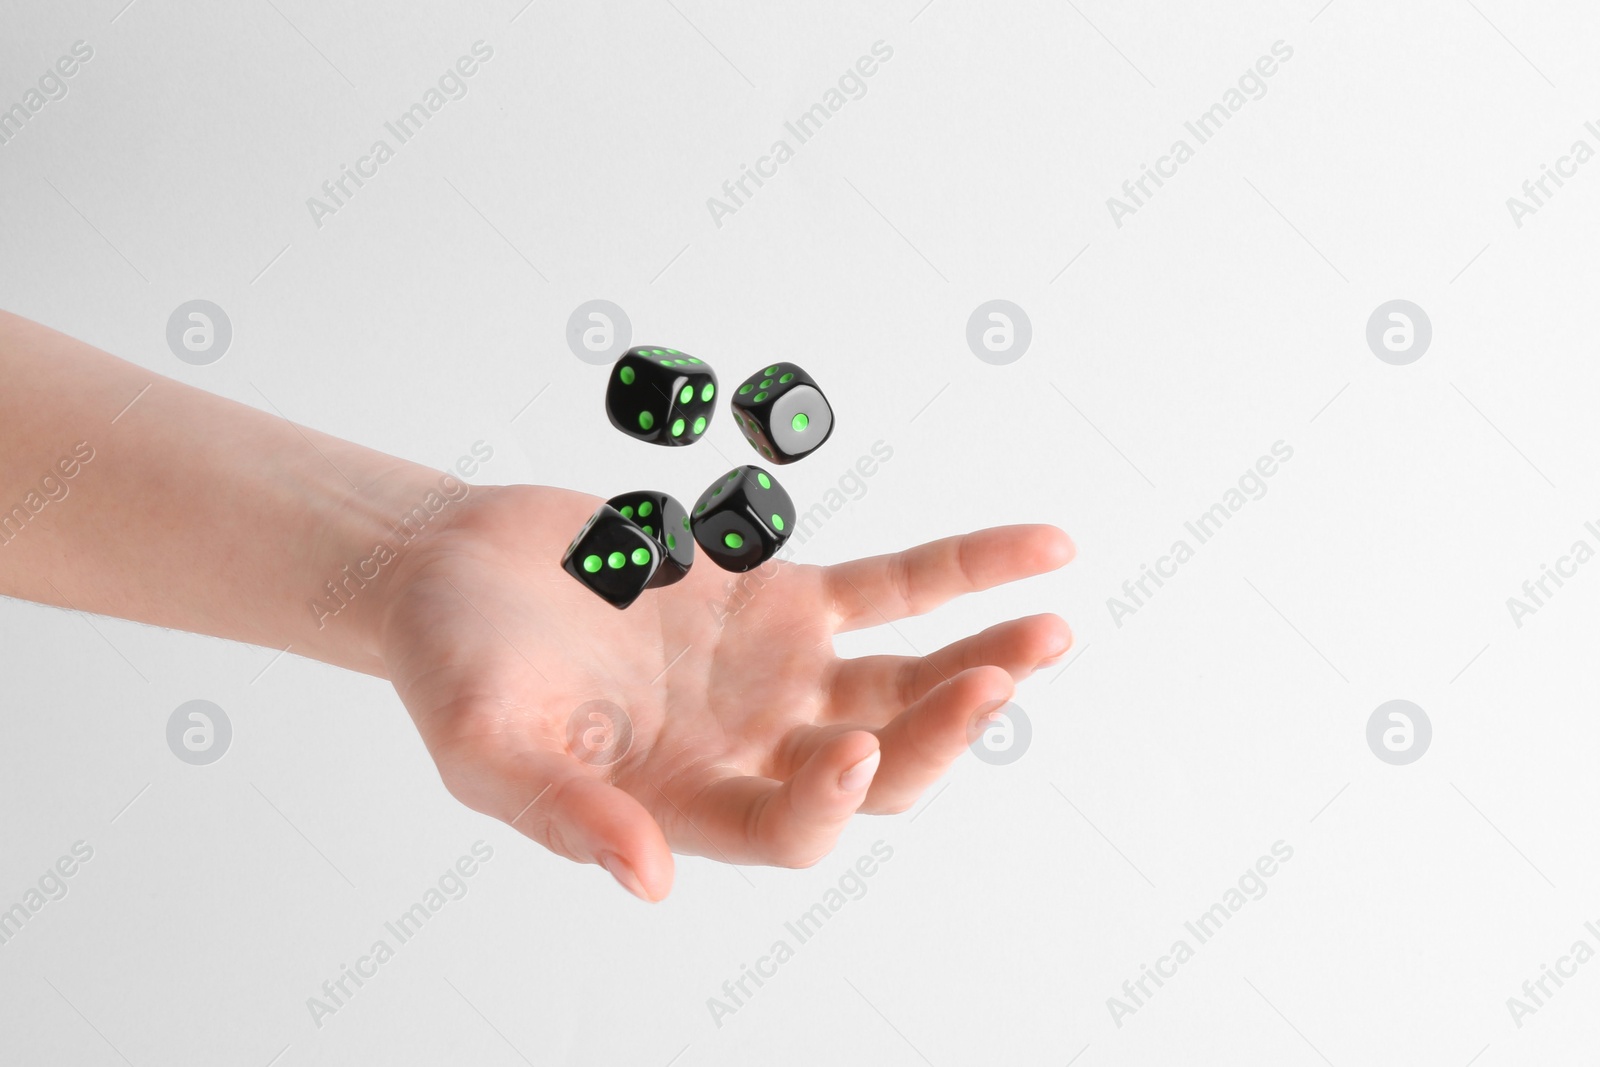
x=712 y=717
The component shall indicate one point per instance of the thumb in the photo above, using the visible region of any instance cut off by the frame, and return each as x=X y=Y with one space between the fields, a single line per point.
x=565 y=805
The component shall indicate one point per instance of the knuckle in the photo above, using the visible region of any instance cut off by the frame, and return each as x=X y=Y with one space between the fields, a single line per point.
x=542 y=821
x=460 y=786
x=906 y=684
x=964 y=560
x=555 y=841
x=903 y=582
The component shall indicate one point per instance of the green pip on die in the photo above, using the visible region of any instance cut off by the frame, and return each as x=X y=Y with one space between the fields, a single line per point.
x=612 y=557
x=660 y=516
x=743 y=519
x=783 y=413
x=661 y=396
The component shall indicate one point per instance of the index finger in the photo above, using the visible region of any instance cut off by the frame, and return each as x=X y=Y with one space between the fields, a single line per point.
x=867 y=592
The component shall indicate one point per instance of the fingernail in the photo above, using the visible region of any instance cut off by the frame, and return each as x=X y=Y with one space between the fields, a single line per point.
x=859 y=776
x=988 y=714
x=1051 y=661
x=619 y=869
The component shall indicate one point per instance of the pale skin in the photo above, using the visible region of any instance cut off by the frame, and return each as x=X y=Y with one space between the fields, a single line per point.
x=752 y=742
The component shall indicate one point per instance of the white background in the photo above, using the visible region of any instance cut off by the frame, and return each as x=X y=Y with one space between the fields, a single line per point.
x=1227 y=714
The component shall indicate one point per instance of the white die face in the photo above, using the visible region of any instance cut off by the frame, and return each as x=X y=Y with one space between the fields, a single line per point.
x=801 y=420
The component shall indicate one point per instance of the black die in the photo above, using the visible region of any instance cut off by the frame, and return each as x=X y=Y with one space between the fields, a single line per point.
x=661 y=395
x=614 y=558
x=664 y=519
x=782 y=413
x=743 y=519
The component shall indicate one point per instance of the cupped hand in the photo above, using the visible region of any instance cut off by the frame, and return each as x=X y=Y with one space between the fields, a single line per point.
x=712 y=717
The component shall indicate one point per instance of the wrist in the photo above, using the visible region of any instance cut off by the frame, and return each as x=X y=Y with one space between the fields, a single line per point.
x=365 y=541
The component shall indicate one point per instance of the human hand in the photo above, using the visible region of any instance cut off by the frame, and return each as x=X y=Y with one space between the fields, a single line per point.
x=751 y=741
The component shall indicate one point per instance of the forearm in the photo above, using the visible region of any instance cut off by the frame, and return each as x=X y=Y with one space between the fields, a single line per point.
x=128 y=494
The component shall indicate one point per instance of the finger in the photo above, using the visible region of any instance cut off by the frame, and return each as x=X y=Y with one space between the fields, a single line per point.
x=793 y=824
x=920 y=745
x=565 y=805
x=881 y=589
x=872 y=690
